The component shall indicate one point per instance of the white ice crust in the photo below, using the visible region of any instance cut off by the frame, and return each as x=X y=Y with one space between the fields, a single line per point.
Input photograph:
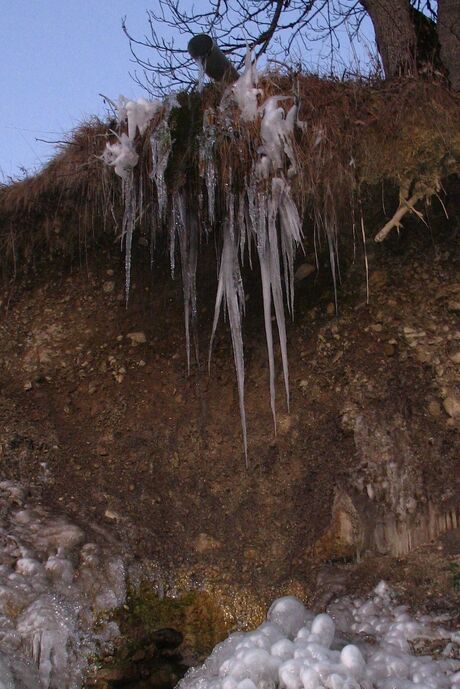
x=52 y=585
x=357 y=644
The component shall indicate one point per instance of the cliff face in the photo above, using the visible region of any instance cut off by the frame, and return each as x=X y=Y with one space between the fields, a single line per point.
x=361 y=479
x=99 y=410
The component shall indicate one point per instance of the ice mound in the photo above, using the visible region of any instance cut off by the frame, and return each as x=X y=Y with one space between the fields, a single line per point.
x=52 y=584
x=357 y=644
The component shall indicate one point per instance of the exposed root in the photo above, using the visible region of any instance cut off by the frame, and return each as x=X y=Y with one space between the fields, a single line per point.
x=405 y=206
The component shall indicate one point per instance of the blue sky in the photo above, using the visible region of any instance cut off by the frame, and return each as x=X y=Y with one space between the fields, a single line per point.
x=57 y=56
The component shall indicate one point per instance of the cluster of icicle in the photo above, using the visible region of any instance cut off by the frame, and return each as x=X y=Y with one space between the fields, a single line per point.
x=54 y=584
x=358 y=644
x=264 y=216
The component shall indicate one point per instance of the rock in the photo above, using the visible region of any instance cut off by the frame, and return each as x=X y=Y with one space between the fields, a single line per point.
x=377 y=327
x=204 y=543
x=109 y=272
x=303 y=271
x=423 y=355
x=112 y=515
x=452 y=406
x=108 y=287
x=28 y=385
x=285 y=423
x=330 y=309
x=389 y=349
x=455 y=358
x=434 y=409
x=137 y=338
x=454 y=306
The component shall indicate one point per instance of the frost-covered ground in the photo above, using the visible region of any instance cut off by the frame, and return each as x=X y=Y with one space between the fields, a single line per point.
x=53 y=583
x=358 y=644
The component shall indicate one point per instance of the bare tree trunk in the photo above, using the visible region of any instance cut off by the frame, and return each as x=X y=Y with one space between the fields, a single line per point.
x=395 y=35
x=449 y=36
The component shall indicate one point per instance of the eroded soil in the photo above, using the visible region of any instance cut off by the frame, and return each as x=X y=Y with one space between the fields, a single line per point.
x=99 y=411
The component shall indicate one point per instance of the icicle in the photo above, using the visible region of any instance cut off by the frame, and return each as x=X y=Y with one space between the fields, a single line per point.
x=275 y=222
x=201 y=75
x=291 y=238
x=330 y=226
x=275 y=277
x=187 y=230
x=242 y=222
x=161 y=144
x=207 y=162
x=172 y=240
x=230 y=288
x=129 y=221
x=258 y=215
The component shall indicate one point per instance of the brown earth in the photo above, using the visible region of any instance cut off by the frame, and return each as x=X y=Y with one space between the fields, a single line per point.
x=99 y=412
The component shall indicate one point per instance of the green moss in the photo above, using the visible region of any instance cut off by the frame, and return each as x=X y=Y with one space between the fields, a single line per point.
x=195 y=614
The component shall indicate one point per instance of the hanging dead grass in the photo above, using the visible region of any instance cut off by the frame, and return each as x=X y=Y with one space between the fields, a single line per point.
x=356 y=135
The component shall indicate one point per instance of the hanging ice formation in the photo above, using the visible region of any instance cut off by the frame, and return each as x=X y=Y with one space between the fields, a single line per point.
x=123 y=157
x=274 y=221
x=207 y=162
x=259 y=211
x=186 y=228
x=230 y=288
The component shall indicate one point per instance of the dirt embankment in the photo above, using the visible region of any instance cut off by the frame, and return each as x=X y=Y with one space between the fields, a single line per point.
x=98 y=408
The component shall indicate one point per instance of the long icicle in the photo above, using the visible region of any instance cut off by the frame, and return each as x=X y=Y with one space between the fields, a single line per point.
x=230 y=288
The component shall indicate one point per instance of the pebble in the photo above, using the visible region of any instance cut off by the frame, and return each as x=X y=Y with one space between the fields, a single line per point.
x=455 y=358
x=452 y=406
x=434 y=409
x=389 y=349
x=454 y=306
x=304 y=271
x=423 y=355
x=204 y=543
x=108 y=287
x=137 y=337
x=112 y=515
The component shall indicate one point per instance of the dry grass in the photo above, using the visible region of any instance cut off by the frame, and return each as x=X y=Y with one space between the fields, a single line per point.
x=357 y=135
x=63 y=208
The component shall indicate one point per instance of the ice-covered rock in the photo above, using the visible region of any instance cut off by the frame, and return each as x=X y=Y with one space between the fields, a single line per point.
x=52 y=584
x=357 y=644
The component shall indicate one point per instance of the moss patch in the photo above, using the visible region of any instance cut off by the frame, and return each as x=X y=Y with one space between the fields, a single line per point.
x=196 y=615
